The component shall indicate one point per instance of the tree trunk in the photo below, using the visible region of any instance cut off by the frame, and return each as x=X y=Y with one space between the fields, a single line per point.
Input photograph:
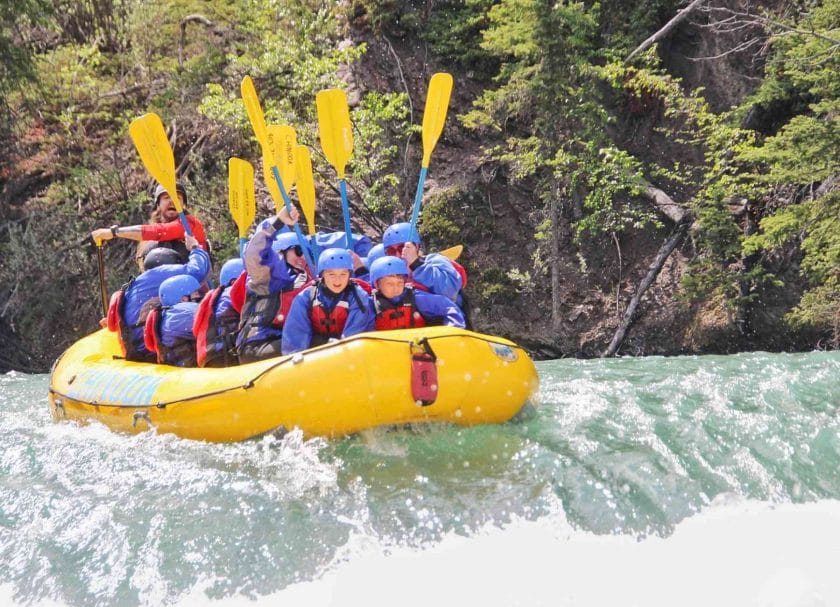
x=653 y=271
x=743 y=316
x=666 y=29
x=555 y=264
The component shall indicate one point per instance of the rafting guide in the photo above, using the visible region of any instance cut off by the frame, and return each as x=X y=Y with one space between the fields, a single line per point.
x=295 y=316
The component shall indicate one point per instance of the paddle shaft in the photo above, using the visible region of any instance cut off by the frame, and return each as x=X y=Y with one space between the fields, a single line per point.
x=103 y=292
x=301 y=239
x=184 y=222
x=345 y=210
x=418 y=199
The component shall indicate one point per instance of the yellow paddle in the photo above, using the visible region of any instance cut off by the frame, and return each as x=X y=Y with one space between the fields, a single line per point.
x=306 y=191
x=286 y=141
x=282 y=141
x=241 y=200
x=305 y=185
x=434 y=117
x=453 y=253
x=254 y=110
x=152 y=144
x=337 y=142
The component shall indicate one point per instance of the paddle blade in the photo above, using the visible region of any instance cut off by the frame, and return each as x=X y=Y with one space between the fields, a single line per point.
x=282 y=141
x=254 y=110
x=270 y=182
x=273 y=157
x=453 y=253
x=334 y=128
x=434 y=116
x=305 y=185
x=241 y=199
x=152 y=144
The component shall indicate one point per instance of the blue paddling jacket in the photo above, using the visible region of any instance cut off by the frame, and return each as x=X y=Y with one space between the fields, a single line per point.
x=128 y=303
x=268 y=276
x=317 y=315
x=437 y=274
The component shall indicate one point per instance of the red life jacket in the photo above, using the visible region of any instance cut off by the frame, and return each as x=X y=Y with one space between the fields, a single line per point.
x=462 y=271
x=117 y=324
x=366 y=287
x=420 y=287
x=330 y=325
x=238 y=292
x=151 y=333
x=181 y=354
x=215 y=337
x=403 y=315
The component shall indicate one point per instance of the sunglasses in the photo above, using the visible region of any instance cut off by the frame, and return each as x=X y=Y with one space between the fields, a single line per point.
x=297 y=249
x=394 y=249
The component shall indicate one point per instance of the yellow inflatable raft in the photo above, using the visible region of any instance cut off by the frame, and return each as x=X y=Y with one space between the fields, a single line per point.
x=361 y=382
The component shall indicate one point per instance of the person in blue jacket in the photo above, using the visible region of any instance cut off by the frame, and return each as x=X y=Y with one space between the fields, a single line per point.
x=434 y=271
x=361 y=246
x=270 y=285
x=169 y=327
x=216 y=323
x=401 y=306
x=333 y=308
x=375 y=252
x=287 y=246
x=132 y=303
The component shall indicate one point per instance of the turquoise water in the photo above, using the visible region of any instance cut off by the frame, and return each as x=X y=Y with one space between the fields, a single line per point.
x=626 y=465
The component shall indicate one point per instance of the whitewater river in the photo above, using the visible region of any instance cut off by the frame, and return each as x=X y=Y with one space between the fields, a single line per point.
x=708 y=481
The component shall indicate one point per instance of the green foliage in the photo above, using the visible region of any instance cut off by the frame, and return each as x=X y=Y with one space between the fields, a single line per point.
x=820 y=309
x=804 y=151
x=554 y=122
x=625 y=24
x=454 y=31
x=494 y=285
x=16 y=50
x=803 y=75
x=610 y=179
x=391 y=16
x=448 y=215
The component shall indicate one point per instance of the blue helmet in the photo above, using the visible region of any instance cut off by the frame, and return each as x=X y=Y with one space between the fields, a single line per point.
x=375 y=253
x=283 y=241
x=335 y=259
x=386 y=266
x=231 y=271
x=173 y=289
x=400 y=233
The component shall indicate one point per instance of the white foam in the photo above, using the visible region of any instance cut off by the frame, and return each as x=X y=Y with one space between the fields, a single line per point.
x=735 y=553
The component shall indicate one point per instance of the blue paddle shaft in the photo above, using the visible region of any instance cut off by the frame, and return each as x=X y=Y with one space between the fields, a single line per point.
x=301 y=239
x=243 y=242
x=345 y=209
x=185 y=223
x=418 y=199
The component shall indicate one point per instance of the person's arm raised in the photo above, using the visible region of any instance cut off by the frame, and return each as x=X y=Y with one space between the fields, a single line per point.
x=115 y=231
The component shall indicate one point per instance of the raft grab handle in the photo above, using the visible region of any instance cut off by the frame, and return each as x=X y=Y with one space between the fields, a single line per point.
x=144 y=415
